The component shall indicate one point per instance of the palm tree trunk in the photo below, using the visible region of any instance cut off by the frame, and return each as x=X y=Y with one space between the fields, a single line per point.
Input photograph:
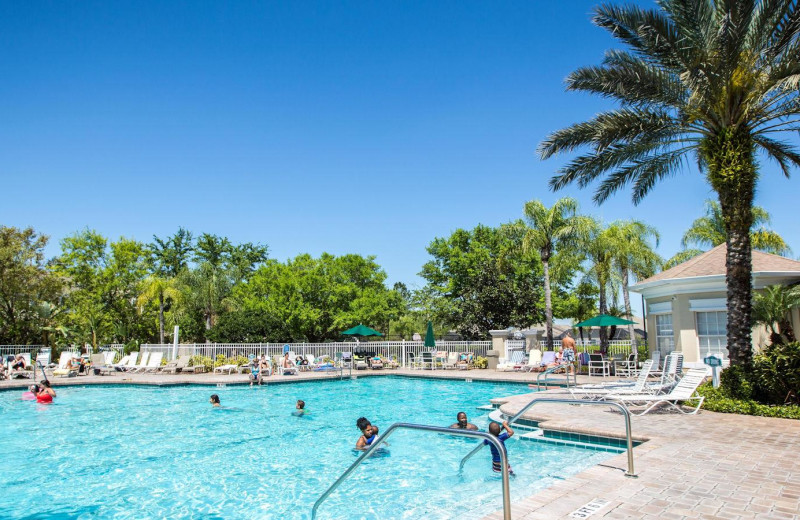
x=161 y=317
x=626 y=297
x=548 y=305
x=732 y=174
x=603 y=310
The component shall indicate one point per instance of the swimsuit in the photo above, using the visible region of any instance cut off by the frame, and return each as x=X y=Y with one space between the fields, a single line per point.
x=370 y=440
x=496 y=467
x=44 y=398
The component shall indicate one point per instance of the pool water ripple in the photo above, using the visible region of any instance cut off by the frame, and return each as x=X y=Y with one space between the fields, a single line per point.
x=149 y=452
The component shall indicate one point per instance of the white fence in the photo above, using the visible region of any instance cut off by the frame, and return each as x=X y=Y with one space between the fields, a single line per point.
x=398 y=350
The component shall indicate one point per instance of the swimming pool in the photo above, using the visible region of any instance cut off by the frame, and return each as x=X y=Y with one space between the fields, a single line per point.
x=163 y=452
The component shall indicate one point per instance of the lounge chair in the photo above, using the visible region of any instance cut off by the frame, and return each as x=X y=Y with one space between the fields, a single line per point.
x=413 y=361
x=21 y=372
x=375 y=363
x=64 y=368
x=465 y=360
x=154 y=363
x=99 y=365
x=514 y=363
x=360 y=363
x=144 y=358
x=451 y=361
x=285 y=370
x=427 y=359
x=176 y=365
x=534 y=361
x=685 y=390
x=345 y=359
x=226 y=368
x=390 y=362
x=598 y=391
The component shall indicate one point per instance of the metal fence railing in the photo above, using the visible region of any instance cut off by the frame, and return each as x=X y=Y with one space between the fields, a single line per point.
x=398 y=350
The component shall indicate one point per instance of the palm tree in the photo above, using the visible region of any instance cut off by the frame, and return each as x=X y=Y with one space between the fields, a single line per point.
x=156 y=288
x=772 y=307
x=633 y=255
x=550 y=229
x=711 y=80
x=709 y=231
x=599 y=248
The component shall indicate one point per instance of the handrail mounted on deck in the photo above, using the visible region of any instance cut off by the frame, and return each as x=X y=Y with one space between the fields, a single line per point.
x=625 y=413
x=551 y=370
x=434 y=429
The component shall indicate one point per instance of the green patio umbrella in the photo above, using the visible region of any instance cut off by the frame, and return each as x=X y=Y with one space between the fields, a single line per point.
x=361 y=330
x=604 y=320
x=430 y=340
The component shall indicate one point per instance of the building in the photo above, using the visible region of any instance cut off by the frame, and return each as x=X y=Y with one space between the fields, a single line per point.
x=685 y=306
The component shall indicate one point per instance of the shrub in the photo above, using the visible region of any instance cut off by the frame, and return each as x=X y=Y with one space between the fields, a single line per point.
x=480 y=362
x=735 y=383
x=717 y=401
x=776 y=373
x=205 y=361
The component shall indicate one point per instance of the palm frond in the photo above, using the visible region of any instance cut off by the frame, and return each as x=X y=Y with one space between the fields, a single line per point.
x=784 y=154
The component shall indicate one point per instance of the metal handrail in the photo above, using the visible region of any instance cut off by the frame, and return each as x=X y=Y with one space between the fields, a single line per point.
x=553 y=369
x=435 y=429
x=625 y=413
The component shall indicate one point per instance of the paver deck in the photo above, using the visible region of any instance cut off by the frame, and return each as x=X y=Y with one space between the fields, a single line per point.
x=705 y=466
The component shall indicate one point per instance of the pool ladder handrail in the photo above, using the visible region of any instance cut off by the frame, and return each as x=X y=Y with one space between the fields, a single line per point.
x=552 y=370
x=434 y=429
x=629 y=438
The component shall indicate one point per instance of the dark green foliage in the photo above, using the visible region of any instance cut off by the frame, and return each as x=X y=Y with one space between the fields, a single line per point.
x=478 y=283
x=718 y=401
x=254 y=326
x=776 y=373
x=735 y=383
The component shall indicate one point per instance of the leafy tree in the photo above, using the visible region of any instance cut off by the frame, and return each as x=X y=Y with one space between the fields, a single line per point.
x=170 y=257
x=25 y=284
x=549 y=230
x=599 y=249
x=315 y=299
x=634 y=256
x=709 y=231
x=479 y=284
x=157 y=289
x=771 y=308
x=710 y=78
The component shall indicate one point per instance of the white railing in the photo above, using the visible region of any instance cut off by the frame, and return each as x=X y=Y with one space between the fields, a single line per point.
x=6 y=350
x=398 y=350
x=617 y=346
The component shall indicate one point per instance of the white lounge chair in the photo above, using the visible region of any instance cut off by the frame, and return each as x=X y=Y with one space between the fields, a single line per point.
x=64 y=368
x=451 y=361
x=684 y=391
x=285 y=370
x=21 y=372
x=145 y=356
x=226 y=368
x=598 y=391
x=515 y=362
x=99 y=366
x=534 y=361
x=154 y=363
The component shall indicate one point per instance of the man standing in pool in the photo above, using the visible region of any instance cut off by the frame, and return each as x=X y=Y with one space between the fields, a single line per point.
x=462 y=423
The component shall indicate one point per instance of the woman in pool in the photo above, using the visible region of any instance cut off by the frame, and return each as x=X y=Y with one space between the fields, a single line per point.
x=46 y=393
x=214 y=400
x=368 y=433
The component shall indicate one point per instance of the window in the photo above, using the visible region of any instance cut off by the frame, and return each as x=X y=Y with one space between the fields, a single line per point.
x=712 y=330
x=665 y=338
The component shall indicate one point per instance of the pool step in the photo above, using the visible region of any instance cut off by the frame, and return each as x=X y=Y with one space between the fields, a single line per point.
x=542 y=438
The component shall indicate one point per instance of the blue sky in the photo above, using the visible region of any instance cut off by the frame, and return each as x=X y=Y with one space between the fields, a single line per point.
x=346 y=127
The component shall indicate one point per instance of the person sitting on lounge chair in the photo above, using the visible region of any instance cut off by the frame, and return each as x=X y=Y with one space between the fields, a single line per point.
x=462 y=423
x=18 y=365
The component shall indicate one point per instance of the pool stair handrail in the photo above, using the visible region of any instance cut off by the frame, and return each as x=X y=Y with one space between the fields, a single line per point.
x=433 y=429
x=625 y=413
x=551 y=370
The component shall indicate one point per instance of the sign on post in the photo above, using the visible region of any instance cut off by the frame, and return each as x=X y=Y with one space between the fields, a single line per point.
x=715 y=362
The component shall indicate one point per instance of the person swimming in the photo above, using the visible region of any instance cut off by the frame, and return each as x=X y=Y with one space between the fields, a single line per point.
x=214 y=400
x=462 y=423
x=30 y=395
x=300 y=408
x=369 y=432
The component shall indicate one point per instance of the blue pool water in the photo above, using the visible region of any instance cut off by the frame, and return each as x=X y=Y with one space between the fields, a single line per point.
x=146 y=452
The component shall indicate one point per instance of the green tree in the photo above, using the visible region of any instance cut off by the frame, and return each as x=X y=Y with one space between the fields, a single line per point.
x=479 y=283
x=599 y=247
x=548 y=231
x=709 y=231
x=25 y=285
x=634 y=256
x=771 y=308
x=157 y=289
x=716 y=79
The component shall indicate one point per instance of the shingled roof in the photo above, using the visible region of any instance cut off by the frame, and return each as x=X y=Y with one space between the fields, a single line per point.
x=712 y=263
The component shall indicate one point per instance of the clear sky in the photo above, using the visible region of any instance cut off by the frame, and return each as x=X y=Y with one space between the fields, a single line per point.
x=346 y=127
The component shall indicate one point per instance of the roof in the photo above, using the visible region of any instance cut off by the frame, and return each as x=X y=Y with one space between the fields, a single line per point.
x=712 y=263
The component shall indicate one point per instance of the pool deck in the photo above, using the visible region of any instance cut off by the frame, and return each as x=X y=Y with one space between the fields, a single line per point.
x=708 y=466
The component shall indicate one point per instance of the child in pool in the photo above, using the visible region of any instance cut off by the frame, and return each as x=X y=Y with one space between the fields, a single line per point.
x=300 y=408
x=214 y=400
x=30 y=395
x=495 y=430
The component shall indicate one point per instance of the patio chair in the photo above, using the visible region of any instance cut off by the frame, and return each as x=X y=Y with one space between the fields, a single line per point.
x=64 y=368
x=627 y=367
x=598 y=364
x=360 y=363
x=99 y=366
x=534 y=361
x=390 y=362
x=375 y=363
x=292 y=369
x=176 y=365
x=427 y=359
x=465 y=360
x=621 y=387
x=684 y=391
x=451 y=362
x=514 y=363
x=133 y=369
x=154 y=363
x=23 y=372
x=413 y=361
x=345 y=358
